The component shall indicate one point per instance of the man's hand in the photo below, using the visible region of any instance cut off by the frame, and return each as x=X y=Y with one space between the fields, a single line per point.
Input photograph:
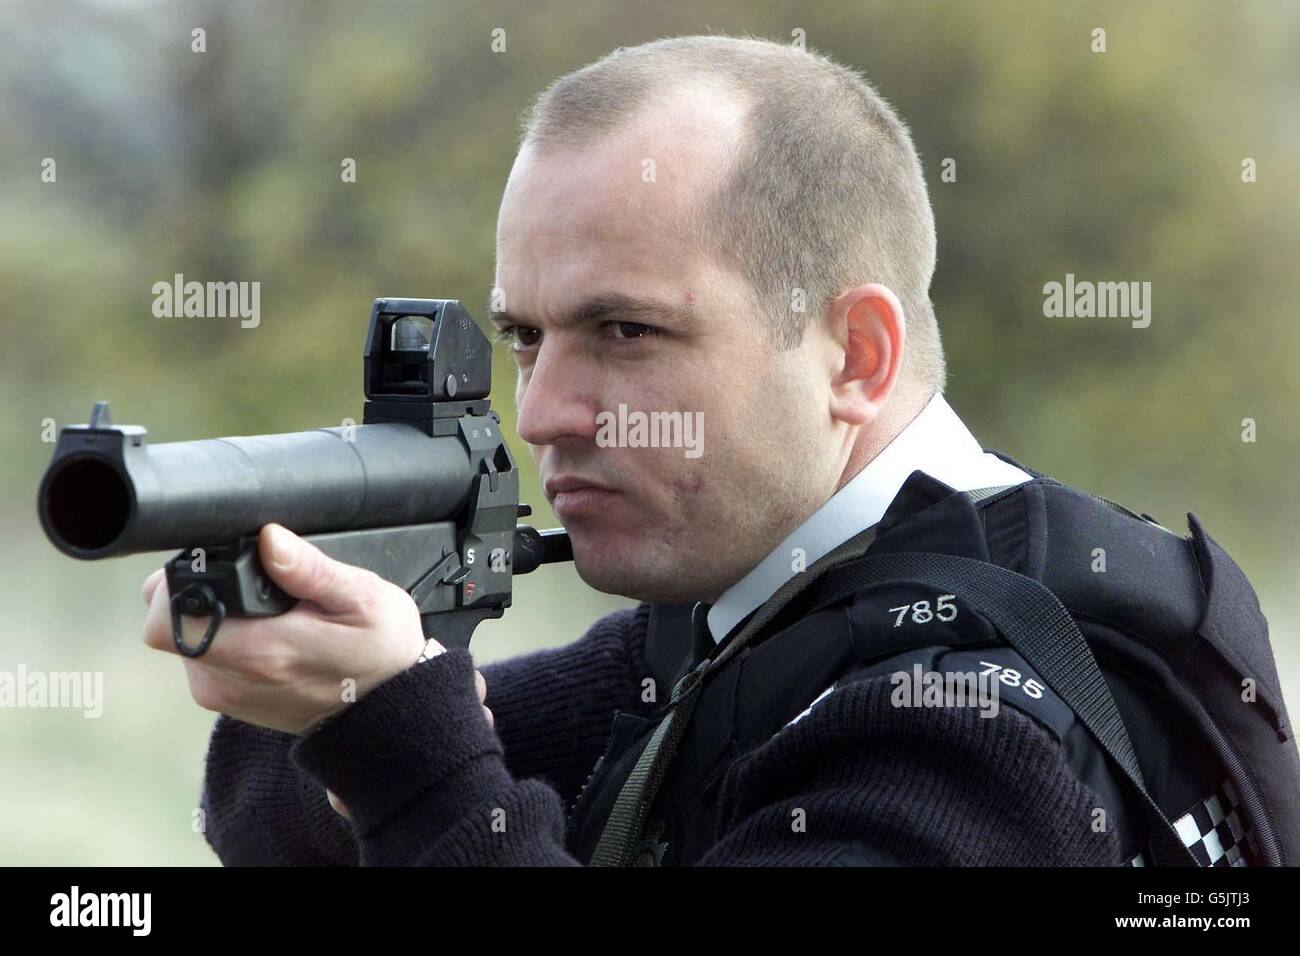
x=288 y=672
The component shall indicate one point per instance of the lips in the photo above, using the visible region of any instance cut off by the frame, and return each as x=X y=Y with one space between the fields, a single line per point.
x=563 y=484
x=571 y=495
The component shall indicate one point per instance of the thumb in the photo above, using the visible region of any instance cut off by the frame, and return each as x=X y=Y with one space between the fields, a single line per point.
x=306 y=572
x=338 y=805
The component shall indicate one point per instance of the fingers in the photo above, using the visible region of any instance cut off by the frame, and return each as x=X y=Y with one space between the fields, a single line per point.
x=306 y=572
x=337 y=804
x=151 y=584
x=157 y=621
x=480 y=684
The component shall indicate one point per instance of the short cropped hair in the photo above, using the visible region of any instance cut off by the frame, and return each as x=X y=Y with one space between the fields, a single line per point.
x=826 y=191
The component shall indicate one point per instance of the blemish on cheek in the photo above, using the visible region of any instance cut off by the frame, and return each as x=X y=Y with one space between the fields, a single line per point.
x=690 y=296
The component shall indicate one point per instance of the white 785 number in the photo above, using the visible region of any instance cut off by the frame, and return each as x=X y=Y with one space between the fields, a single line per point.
x=1011 y=677
x=944 y=610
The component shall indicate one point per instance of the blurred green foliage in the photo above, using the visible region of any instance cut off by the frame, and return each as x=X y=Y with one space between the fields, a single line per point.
x=1124 y=165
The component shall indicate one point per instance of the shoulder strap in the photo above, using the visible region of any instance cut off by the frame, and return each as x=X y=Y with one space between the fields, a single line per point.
x=1038 y=626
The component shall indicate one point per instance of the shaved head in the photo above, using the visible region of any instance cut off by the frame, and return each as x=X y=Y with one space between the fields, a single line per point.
x=820 y=190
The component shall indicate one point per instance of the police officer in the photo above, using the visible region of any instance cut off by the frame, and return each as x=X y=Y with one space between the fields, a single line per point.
x=732 y=240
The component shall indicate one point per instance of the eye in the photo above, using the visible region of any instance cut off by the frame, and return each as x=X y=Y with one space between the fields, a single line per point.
x=633 y=330
x=519 y=337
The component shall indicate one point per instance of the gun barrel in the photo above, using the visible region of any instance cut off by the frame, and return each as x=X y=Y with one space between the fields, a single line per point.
x=107 y=492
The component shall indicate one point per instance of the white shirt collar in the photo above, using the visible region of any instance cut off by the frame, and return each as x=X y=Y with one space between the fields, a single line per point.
x=936 y=441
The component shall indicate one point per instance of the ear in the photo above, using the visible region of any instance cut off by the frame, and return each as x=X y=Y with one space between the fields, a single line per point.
x=869 y=330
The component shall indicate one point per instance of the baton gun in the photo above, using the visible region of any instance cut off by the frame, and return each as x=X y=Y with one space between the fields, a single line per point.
x=425 y=492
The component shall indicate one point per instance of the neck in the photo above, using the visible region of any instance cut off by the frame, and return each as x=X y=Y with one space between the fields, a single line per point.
x=871 y=441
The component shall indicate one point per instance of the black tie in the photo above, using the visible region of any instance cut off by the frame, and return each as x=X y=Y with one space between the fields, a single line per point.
x=703 y=641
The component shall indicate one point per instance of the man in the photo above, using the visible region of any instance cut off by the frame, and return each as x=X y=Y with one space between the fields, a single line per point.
x=721 y=227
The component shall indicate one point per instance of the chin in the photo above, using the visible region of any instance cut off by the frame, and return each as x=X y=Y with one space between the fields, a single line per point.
x=604 y=565
x=627 y=569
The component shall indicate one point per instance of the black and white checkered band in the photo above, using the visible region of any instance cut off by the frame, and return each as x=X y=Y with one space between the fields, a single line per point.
x=1212 y=829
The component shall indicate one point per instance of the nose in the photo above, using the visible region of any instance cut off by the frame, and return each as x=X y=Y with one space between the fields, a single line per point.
x=555 y=398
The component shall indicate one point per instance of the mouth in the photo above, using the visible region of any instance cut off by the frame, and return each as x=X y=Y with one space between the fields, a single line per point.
x=571 y=496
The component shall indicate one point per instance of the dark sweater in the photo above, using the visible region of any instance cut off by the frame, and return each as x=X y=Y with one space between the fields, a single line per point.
x=429 y=783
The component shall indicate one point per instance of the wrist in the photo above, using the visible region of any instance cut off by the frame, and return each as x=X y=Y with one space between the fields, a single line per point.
x=428 y=652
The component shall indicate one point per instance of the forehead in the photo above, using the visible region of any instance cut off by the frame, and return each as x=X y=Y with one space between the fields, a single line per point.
x=618 y=209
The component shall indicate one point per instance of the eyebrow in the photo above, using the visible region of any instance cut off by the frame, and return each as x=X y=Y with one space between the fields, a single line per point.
x=609 y=305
